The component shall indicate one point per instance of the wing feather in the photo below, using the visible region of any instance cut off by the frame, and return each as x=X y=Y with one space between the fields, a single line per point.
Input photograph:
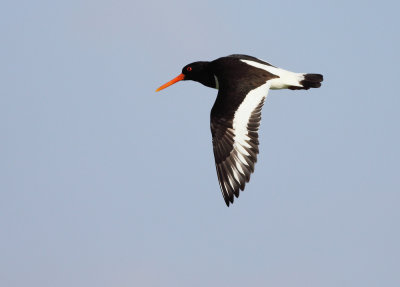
x=235 y=141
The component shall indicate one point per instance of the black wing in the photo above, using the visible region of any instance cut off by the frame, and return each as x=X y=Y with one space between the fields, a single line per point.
x=235 y=138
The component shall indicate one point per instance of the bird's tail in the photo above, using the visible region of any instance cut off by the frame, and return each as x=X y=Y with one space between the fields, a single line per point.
x=308 y=81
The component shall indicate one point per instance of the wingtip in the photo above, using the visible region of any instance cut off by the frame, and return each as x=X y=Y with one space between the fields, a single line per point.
x=228 y=200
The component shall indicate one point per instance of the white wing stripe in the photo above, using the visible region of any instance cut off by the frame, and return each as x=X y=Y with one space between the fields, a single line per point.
x=240 y=148
x=243 y=141
x=235 y=174
x=231 y=181
x=286 y=78
x=239 y=168
x=241 y=158
x=243 y=113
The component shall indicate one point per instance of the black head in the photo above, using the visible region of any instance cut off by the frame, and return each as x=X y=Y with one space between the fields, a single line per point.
x=197 y=71
x=200 y=72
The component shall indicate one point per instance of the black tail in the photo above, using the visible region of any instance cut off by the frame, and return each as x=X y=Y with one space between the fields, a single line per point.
x=311 y=81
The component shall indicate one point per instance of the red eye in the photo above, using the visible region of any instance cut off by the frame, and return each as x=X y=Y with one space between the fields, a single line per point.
x=189 y=69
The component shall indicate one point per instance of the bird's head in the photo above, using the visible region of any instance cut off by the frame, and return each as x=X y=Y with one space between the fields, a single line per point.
x=197 y=71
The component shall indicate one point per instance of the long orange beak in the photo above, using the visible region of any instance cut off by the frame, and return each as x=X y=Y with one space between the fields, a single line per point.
x=173 y=81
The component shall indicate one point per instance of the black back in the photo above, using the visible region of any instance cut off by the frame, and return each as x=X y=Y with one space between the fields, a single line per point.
x=236 y=79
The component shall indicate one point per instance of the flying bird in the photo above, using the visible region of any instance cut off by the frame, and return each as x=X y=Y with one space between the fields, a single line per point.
x=243 y=83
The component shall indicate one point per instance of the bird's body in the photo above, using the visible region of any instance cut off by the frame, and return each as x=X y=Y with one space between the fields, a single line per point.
x=243 y=83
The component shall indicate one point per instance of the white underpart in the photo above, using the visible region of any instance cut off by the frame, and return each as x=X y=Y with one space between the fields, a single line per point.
x=286 y=78
x=242 y=116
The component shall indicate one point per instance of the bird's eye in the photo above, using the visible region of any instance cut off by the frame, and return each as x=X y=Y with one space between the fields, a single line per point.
x=188 y=69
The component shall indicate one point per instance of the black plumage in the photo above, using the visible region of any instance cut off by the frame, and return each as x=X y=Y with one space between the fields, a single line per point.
x=243 y=83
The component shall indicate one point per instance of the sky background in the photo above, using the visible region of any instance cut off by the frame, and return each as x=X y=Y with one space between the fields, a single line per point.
x=104 y=182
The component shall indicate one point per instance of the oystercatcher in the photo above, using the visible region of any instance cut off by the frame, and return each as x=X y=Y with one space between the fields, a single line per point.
x=242 y=82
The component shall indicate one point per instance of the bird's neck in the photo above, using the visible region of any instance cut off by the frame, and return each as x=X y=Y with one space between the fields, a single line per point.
x=209 y=80
x=206 y=77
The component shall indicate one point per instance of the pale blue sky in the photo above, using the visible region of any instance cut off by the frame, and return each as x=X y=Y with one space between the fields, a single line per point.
x=104 y=182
